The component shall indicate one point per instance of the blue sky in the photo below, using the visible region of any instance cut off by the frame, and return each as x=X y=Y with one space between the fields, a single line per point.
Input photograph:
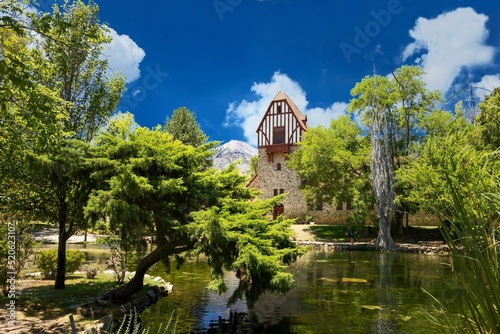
x=226 y=59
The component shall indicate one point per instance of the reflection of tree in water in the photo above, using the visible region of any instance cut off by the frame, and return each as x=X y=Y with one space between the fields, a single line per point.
x=386 y=322
x=248 y=324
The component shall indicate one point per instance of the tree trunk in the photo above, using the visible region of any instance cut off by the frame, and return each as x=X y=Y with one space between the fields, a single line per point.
x=398 y=219
x=137 y=282
x=61 y=246
x=407 y=218
x=382 y=173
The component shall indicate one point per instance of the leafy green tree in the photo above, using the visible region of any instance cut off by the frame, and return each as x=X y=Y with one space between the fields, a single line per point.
x=489 y=120
x=151 y=182
x=335 y=163
x=184 y=127
x=50 y=177
x=452 y=153
x=30 y=122
x=254 y=165
x=459 y=181
x=393 y=110
x=91 y=97
x=237 y=236
x=472 y=235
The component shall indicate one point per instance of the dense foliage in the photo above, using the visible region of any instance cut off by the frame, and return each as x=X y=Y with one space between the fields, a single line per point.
x=184 y=127
x=65 y=160
x=46 y=261
x=151 y=183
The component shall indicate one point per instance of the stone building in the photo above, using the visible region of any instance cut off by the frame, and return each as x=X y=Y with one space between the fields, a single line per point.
x=278 y=133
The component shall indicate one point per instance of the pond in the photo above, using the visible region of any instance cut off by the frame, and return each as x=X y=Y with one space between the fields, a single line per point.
x=336 y=292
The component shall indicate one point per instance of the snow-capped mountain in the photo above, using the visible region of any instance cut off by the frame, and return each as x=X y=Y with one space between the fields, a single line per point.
x=232 y=151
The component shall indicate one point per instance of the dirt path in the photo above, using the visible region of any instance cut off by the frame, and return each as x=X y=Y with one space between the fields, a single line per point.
x=25 y=325
x=50 y=235
x=302 y=232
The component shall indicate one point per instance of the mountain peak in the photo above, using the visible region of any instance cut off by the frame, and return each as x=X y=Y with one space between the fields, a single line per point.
x=232 y=151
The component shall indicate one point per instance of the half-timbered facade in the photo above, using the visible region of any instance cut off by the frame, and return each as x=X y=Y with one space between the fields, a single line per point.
x=278 y=133
x=281 y=127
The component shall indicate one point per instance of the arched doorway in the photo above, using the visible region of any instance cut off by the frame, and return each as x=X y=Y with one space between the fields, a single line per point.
x=278 y=210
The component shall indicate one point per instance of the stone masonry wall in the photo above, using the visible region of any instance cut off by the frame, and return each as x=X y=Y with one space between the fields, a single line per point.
x=271 y=179
x=287 y=180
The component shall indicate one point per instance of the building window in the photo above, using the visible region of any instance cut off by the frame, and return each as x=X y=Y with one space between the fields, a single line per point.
x=278 y=166
x=349 y=205
x=279 y=109
x=319 y=207
x=279 y=135
x=282 y=191
x=339 y=207
x=275 y=192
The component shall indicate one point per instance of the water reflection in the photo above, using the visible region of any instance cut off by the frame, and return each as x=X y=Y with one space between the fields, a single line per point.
x=336 y=292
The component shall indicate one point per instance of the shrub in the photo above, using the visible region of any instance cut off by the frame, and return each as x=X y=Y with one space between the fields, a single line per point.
x=91 y=270
x=47 y=262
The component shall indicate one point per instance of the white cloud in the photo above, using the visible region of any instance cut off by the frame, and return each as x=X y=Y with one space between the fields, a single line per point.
x=248 y=114
x=320 y=116
x=487 y=84
x=452 y=41
x=124 y=55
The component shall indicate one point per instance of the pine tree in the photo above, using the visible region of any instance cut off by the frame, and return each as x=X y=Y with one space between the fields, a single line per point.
x=184 y=127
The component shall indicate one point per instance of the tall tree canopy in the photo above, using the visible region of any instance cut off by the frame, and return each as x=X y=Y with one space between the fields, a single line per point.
x=184 y=127
x=334 y=162
x=393 y=109
x=489 y=120
x=57 y=94
x=153 y=182
x=77 y=39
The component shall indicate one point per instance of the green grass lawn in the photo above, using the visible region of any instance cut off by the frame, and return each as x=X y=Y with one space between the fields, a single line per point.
x=328 y=232
x=42 y=301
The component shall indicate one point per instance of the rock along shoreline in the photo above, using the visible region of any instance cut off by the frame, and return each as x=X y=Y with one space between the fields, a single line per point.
x=431 y=247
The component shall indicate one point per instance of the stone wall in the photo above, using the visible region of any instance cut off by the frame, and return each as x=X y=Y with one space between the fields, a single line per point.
x=275 y=178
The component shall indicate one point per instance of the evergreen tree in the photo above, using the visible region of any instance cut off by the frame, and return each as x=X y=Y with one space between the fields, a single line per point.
x=184 y=127
x=152 y=183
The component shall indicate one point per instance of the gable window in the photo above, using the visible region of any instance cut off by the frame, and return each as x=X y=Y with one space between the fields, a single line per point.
x=279 y=110
x=279 y=135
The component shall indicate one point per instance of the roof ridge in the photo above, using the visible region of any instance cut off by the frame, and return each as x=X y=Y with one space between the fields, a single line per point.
x=302 y=118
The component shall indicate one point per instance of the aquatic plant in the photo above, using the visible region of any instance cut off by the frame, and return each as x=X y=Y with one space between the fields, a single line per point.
x=472 y=232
